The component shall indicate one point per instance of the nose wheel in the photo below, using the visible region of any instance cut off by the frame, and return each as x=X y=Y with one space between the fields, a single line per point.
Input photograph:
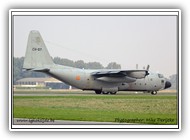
x=154 y=92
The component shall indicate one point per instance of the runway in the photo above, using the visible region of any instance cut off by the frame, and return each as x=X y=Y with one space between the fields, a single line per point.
x=85 y=93
x=24 y=121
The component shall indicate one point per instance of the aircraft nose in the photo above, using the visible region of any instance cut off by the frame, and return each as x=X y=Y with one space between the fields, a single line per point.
x=167 y=84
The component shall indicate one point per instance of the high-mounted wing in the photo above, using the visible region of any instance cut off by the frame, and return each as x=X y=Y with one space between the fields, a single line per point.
x=119 y=75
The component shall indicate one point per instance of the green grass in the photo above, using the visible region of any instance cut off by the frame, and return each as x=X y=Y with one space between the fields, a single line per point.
x=104 y=108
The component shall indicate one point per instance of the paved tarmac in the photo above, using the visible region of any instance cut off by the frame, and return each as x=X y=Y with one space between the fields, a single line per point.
x=24 y=121
x=92 y=94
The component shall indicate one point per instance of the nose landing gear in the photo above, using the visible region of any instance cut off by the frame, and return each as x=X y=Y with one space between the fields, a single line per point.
x=154 y=92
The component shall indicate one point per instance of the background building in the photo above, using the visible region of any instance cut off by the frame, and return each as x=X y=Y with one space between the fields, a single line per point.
x=40 y=83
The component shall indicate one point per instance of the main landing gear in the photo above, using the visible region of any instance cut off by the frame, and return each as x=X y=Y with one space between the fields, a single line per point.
x=98 y=91
x=104 y=92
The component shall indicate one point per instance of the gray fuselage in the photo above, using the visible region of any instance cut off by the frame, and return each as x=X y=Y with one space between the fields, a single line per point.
x=82 y=79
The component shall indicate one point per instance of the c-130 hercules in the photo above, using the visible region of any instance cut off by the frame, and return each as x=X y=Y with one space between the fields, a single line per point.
x=103 y=81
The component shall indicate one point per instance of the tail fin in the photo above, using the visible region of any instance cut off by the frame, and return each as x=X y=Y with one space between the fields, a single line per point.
x=37 y=55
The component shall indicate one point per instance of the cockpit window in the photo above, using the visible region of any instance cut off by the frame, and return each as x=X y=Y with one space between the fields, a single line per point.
x=160 y=76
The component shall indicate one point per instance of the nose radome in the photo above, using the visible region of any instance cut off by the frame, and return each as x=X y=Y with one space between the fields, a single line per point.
x=167 y=84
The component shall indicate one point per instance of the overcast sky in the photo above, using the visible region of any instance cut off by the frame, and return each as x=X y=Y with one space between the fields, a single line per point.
x=127 y=40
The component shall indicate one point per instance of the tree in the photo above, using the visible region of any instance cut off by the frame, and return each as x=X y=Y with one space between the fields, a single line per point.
x=18 y=73
x=17 y=68
x=80 y=64
x=173 y=79
x=113 y=65
x=63 y=61
x=94 y=65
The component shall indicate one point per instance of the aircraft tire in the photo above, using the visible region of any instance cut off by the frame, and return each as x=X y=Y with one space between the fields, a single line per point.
x=154 y=92
x=105 y=92
x=113 y=93
x=98 y=91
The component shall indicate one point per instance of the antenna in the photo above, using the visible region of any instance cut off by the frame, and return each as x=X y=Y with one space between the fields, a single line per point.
x=136 y=66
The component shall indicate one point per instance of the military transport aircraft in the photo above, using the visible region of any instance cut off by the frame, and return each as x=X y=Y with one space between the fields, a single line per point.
x=103 y=81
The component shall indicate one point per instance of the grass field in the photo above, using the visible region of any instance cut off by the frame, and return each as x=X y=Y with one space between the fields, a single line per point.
x=124 y=108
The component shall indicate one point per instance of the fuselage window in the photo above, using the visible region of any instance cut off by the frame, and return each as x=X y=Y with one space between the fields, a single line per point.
x=160 y=76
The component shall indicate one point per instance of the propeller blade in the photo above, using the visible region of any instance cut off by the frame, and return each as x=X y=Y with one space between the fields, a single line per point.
x=147 y=68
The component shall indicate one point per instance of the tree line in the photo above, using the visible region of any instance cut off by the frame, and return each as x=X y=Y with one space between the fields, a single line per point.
x=18 y=73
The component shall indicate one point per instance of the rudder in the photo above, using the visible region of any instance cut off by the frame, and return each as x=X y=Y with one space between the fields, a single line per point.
x=37 y=55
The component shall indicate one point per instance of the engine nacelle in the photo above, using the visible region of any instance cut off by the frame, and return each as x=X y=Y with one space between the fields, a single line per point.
x=124 y=79
x=137 y=74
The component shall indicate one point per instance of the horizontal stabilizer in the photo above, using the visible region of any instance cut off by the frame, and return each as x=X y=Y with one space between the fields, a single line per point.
x=39 y=69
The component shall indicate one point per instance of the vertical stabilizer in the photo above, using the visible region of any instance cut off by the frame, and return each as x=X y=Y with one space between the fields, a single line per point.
x=37 y=55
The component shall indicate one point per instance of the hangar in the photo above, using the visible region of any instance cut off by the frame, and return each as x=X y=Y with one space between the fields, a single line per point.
x=40 y=83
